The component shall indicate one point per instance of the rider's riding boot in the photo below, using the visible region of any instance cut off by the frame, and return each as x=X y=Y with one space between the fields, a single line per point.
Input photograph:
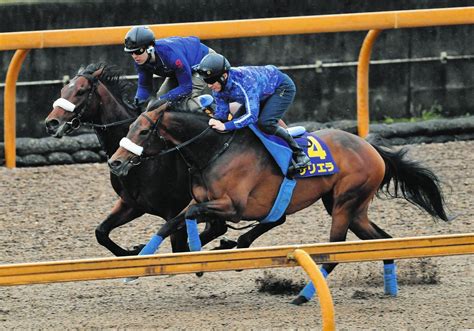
x=300 y=159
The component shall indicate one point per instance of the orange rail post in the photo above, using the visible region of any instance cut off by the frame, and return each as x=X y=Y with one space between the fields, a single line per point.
x=363 y=83
x=325 y=299
x=10 y=106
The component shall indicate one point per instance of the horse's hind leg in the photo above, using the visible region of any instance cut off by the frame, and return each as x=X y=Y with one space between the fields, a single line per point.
x=121 y=214
x=347 y=208
x=341 y=217
x=366 y=230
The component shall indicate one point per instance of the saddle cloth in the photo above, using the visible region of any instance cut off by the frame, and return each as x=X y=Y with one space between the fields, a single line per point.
x=322 y=162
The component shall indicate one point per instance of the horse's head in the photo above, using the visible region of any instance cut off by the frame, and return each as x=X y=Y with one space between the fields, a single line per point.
x=76 y=102
x=136 y=145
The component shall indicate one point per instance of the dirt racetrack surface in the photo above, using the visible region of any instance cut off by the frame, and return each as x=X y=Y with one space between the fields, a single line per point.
x=50 y=213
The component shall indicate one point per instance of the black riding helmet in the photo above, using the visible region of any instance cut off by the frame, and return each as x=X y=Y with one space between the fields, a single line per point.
x=212 y=67
x=138 y=37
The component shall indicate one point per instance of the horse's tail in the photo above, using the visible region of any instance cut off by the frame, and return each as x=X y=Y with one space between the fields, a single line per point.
x=412 y=181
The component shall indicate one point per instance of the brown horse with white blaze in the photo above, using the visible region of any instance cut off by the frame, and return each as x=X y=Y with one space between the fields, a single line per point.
x=235 y=178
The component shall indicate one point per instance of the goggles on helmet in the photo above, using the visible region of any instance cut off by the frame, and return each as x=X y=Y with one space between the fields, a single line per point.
x=139 y=51
x=211 y=80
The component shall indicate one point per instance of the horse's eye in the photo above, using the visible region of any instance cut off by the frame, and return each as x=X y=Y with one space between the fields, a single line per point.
x=80 y=92
x=144 y=132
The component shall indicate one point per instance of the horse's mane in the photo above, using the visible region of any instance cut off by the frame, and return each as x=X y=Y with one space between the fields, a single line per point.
x=176 y=107
x=111 y=77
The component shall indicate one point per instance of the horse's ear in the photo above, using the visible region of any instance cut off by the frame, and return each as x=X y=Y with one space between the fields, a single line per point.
x=155 y=103
x=81 y=69
x=100 y=71
x=66 y=80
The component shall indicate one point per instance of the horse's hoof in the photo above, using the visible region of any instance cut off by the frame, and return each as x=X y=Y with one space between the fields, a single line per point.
x=299 y=300
x=199 y=274
x=137 y=249
x=130 y=280
x=226 y=244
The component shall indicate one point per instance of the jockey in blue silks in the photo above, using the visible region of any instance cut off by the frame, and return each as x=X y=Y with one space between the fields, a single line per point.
x=172 y=58
x=264 y=91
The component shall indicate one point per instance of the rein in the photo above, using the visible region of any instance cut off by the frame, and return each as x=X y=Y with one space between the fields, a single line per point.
x=108 y=125
x=184 y=144
x=218 y=154
x=179 y=147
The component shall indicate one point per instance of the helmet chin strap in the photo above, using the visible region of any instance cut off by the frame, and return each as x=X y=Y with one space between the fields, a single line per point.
x=223 y=80
x=150 y=57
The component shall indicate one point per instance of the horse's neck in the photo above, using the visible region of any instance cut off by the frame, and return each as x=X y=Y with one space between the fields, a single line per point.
x=185 y=126
x=113 y=111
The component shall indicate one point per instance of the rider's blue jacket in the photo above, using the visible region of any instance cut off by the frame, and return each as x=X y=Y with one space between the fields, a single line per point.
x=248 y=86
x=175 y=57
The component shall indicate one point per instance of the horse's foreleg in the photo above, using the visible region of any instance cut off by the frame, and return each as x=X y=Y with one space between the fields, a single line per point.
x=178 y=241
x=165 y=231
x=220 y=209
x=121 y=214
x=213 y=229
x=153 y=245
x=250 y=236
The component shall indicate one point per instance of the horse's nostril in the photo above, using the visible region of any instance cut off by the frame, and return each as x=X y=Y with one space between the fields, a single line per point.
x=52 y=124
x=114 y=164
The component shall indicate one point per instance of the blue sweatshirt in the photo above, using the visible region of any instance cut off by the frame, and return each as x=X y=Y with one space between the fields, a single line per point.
x=175 y=57
x=248 y=86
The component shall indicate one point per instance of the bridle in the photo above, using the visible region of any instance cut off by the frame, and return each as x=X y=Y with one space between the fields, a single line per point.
x=155 y=130
x=76 y=122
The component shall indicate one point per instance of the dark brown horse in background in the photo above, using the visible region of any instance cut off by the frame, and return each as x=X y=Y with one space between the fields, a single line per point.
x=158 y=186
x=235 y=178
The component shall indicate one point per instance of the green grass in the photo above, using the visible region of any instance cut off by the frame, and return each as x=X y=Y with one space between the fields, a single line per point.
x=434 y=112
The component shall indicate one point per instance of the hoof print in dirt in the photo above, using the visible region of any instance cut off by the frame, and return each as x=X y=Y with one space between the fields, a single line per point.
x=363 y=295
x=273 y=284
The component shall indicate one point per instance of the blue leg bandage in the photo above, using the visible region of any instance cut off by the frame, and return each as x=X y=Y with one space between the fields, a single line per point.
x=149 y=249
x=194 y=242
x=152 y=245
x=390 y=279
x=309 y=290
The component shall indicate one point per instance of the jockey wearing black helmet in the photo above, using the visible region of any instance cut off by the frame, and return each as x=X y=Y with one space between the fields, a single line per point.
x=139 y=38
x=264 y=91
x=212 y=69
x=171 y=58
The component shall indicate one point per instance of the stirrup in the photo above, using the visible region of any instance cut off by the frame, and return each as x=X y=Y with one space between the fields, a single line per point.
x=293 y=169
x=301 y=165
